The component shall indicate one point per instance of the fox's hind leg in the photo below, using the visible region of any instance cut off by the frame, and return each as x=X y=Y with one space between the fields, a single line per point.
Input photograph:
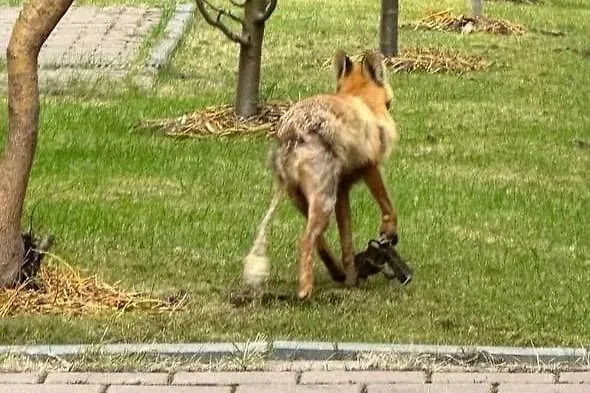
x=318 y=217
x=343 y=219
x=330 y=261
x=322 y=247
x=319 y=190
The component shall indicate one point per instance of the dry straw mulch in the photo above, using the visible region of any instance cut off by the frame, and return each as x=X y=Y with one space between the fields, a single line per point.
x=519 y=1
x=62 y=289
x=447 y=21
x=220 y=121
x=431 y=60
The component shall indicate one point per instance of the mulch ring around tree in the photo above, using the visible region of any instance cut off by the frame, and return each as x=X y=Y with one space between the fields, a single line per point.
x=519 y=1
x=447 y=21
x=431 y=60
x=220 y=121
x=59 y=288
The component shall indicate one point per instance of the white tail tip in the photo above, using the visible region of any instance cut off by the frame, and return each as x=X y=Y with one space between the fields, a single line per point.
x=256 y=270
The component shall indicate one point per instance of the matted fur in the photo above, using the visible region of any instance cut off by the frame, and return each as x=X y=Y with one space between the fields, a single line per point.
x=331 y=133
x=324 y=144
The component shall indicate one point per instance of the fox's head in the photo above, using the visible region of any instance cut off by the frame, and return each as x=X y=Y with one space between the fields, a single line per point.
x=365 y=79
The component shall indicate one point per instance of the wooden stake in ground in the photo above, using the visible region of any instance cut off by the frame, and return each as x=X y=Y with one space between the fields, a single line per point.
x=36 y=21
x=389 y=23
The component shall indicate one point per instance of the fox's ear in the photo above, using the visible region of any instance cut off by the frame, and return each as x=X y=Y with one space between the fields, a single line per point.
x=373 y=65
x=342 y=64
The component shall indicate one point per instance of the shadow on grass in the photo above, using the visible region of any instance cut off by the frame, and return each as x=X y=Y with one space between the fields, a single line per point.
x=242 y=297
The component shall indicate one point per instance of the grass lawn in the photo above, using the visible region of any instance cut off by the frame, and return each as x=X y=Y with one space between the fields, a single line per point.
x=492 y=190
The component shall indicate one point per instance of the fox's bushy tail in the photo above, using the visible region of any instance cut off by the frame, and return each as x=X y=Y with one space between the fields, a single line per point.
x=257 y=263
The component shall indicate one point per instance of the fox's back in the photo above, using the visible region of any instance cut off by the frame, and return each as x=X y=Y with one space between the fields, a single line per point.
x=344 y=126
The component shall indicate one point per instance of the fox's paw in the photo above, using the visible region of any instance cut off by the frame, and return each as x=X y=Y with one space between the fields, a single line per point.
x=388 y=231
x=304 y=293
x=352 y=279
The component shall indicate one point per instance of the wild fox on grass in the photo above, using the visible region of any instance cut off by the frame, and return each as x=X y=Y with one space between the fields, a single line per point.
x=325 y=144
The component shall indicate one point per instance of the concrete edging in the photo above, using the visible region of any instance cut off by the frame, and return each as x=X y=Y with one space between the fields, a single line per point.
x=303 y=350
x=171 y=36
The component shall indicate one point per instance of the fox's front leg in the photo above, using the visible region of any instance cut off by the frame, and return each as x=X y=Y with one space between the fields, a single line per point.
x=374 y=181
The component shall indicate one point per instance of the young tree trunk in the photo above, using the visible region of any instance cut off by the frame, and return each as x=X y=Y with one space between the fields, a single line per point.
x=389 y=23
x=34 y=24
x=477 y=8
x=250 y=58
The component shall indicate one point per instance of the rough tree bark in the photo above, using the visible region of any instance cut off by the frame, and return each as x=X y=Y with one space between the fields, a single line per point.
x=389 y=24
x=35 y=22
x=250 y=59
x=256 y=13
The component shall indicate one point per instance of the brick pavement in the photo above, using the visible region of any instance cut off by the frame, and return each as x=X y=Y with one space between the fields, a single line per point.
x=93 y=44
x=313 y=381
x=90 y=37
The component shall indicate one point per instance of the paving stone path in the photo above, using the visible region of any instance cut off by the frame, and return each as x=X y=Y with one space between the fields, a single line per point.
x=284 y=377
x=89 y=37
x=90 y=42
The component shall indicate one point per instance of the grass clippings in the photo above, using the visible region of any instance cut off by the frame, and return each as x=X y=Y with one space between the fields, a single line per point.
x=62 y=289
x=220 y=121
x=447 y=21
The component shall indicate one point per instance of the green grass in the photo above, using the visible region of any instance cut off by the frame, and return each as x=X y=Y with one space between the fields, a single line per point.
x=492 y=191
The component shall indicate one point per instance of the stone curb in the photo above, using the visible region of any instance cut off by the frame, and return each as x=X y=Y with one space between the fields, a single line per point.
x=306 y=350
x=173 y=32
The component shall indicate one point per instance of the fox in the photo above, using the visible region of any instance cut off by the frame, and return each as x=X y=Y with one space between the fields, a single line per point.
x=323 y=146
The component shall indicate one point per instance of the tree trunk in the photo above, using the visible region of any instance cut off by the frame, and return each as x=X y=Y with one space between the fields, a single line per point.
x=389 y=23
x=477 y=8
x=34 y=24
x=250 y=59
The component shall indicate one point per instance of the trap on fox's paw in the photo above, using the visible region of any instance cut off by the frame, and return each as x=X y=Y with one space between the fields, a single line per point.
x=382 y=257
